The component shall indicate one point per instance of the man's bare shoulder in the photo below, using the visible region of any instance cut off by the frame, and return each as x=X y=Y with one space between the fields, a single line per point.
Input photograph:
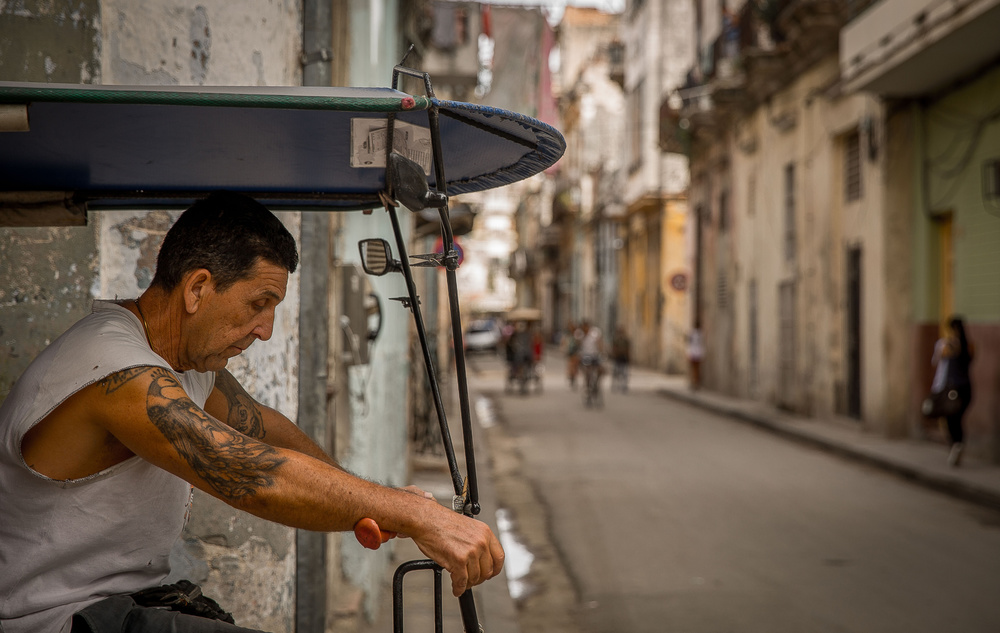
x=74 y=440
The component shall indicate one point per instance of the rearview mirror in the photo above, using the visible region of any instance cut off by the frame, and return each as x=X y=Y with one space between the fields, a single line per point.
x=376 y=257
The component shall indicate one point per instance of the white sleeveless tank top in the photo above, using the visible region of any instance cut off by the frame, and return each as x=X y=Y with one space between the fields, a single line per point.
x=67 y=544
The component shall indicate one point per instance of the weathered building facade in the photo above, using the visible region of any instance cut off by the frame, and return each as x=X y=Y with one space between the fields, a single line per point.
x=841 y=189
x=794 y=258
x=659 y=49
x=589 y=208
x=937 y=69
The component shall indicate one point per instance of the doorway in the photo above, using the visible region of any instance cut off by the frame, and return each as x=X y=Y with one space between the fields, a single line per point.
x=853 y=333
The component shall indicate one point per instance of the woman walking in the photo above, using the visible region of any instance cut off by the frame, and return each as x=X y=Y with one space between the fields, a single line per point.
x=952 y=357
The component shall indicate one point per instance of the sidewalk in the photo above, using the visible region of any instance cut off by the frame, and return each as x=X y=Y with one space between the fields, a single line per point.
x=922 y=462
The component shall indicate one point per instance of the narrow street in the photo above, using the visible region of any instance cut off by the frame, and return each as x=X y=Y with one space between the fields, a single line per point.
x=650 y=515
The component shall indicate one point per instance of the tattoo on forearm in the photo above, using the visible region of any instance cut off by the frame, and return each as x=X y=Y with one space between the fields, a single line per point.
x=234 y=465
x=244 y=414
x=116 y=380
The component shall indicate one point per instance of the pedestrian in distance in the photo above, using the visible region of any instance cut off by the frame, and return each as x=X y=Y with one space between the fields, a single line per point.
x=105 y=434
x=592 y=361
x=620 y=356
x=573 y=337
x=952 y=358
x=695 y=354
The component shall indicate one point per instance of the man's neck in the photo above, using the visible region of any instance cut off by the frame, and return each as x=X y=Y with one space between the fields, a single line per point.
x=154 y=310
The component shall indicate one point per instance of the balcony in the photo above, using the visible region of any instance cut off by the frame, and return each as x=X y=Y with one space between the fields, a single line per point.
x=767 y=45
x=910 y=48
x=806 y=24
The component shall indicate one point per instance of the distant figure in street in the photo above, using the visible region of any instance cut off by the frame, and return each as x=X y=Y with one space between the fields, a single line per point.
x=520 y=348
x=537 y=344
x=573 y=338
x=952 y=357
x=696 y=351
x=620 y=350
x=591 y=361
x=592 y=342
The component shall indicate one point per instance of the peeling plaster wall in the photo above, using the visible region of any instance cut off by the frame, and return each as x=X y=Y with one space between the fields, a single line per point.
x=211 y=42
x=46 y=274
x=54 y=41
x=46 y=279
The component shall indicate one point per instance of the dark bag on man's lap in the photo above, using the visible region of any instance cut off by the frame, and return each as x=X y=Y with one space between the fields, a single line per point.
x=185 y=597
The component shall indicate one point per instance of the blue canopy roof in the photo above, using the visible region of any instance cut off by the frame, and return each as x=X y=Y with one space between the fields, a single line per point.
x=298 y=147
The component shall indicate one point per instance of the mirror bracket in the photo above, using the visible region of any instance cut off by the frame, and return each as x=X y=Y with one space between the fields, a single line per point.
x=405 y=301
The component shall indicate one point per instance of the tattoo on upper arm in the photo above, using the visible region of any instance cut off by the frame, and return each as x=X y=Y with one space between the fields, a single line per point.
x=234 y=465
x=117 y=380
x=244 y=414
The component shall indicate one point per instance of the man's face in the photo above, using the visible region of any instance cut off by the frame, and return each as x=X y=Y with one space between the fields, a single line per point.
x=226 y=323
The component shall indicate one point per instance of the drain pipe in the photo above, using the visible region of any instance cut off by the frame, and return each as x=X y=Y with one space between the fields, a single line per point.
x=314 y=245
x=317 y=42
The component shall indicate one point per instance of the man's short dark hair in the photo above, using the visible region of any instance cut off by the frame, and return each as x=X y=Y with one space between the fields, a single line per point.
x=225 y=233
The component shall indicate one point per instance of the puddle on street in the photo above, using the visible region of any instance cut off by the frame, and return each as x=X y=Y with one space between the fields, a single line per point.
x=517 y=557
x=485 y=413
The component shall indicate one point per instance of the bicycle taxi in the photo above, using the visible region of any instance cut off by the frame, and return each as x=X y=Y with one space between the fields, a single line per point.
x=83 y=147
x=523 y=346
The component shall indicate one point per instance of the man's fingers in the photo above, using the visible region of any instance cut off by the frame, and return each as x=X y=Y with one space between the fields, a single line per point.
x=459 y=583
x=496 y=550
x=486 y=565
x=417 y=491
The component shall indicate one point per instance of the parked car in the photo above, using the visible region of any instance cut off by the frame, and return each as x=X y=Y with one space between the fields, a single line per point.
x=483 y=336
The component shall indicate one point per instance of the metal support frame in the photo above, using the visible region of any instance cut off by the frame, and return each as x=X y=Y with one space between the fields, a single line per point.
x=466 y=493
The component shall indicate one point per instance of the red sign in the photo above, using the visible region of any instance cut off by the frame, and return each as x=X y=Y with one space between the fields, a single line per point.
x=439 y=249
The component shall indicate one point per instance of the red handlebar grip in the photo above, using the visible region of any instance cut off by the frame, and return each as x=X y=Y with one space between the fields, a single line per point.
x=370 y=535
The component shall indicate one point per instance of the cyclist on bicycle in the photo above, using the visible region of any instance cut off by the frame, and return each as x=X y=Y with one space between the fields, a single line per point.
x=591 y=352
x=592 y=343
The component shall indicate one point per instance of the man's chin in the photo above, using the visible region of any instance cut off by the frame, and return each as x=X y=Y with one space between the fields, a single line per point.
x=217 y=363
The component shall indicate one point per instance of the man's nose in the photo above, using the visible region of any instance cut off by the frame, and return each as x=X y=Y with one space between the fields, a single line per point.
x=265 y=326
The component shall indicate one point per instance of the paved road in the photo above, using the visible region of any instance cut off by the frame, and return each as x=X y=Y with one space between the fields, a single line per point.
x=663 y=517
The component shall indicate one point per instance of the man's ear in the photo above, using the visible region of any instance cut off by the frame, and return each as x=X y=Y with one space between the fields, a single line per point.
x=197 y=284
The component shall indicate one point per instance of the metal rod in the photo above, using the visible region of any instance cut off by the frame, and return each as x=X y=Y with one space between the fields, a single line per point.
x=448 y=241
x=467 y=602
x=418 y=74
x=438 y=603
x=467 y=605
x=418 y=319
x=397 y=589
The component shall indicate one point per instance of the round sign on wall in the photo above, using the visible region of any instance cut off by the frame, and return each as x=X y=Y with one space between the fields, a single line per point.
x=679 y=281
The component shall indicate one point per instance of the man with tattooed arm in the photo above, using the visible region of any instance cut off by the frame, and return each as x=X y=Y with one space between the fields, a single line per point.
x=104 y=434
